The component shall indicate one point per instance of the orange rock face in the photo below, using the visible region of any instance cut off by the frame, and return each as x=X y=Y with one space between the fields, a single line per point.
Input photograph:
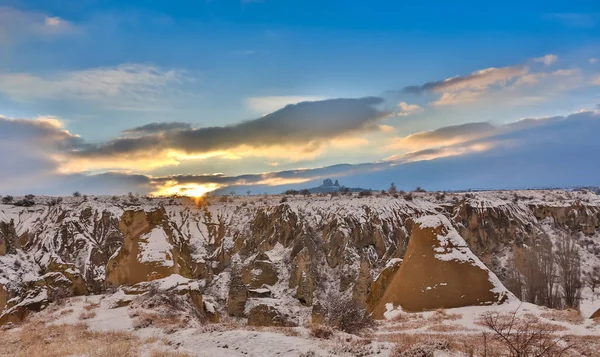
x=439 y=271
x=595 y=315
x=147 y=253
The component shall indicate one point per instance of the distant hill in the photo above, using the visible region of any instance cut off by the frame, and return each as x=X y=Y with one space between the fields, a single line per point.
x=331 y=186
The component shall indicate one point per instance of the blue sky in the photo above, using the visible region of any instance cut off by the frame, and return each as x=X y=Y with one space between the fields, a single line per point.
x=77 y=76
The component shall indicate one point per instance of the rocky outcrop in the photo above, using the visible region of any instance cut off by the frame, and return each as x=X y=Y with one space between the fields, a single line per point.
x=3 y=298
x=302 y=277
x=577 y=217
x=439 y=271
x=149 y=251
x=381 y=283
x=248 y=250
x=237 y=296
x=260 y=272
x=266 y=315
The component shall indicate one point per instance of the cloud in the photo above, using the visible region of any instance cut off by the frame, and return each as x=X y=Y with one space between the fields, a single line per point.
x=445 y=136
x=553 y=151
x=593 y=60
x=269 y=104
x=478 y=80
x=128 y=86
x=547 y=59
x=409 y=109
x=296 y=130
x=596 y=80
x=457 y=98
x=155 y=128
x=17 y=25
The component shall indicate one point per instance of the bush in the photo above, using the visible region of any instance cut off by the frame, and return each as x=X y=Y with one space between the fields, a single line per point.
x=291 y=192
x=25 y=202
x=524 y=337
x=365 y=194
x=76 y=194
x=305 y=193
x=422 y=349
x=419 y=189
x=320 y=331
x=7 y=199
x=345 y=314
x=283 y=199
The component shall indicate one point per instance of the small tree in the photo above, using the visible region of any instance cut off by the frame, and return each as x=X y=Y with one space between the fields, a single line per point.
x=7 y=199
x=248 y=192
x=305 y=193
x=569 y=268
x=392 y=190
x=76 y=194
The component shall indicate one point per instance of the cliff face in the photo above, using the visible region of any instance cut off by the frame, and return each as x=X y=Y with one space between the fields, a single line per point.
x=255 y=250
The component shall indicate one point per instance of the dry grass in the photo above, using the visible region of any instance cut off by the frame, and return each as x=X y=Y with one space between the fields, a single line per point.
x=38 y=340
x=91 y=306
x=86 y=315
x=571 y=316
x=442 y=315
x=157 y=353
x=447 y=328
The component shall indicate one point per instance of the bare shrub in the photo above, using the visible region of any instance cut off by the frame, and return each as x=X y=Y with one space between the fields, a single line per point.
x=422 y=349
x=592 y=278
x=345 y=314
x=524 y=336
x=320 y=331
x=358 y=347
x=86 y=315
x=310 y=353
x=441 y=315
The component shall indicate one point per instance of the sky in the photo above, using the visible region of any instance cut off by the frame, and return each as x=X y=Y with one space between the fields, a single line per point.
x=181 y=97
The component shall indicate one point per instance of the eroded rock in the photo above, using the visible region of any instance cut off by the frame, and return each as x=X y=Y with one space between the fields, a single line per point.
x=439 y=271
x=266 y=315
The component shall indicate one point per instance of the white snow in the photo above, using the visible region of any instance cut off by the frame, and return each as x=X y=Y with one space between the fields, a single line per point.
x=154 y=247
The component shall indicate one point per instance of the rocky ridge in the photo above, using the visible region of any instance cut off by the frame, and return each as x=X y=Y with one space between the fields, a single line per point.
x=249 y=255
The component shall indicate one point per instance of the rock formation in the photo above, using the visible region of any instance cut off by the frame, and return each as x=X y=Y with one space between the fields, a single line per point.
x=250 y=251
x=439 y=271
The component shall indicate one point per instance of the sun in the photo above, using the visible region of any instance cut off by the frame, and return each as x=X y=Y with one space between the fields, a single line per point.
x=190 y=190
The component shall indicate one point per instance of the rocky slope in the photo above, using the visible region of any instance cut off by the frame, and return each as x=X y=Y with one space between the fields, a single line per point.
x=258 y=256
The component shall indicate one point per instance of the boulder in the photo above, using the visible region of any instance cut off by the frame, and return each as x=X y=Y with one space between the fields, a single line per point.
x=439 y=271
x=259 y=293
x=381 y=283
x=17 y=309
x=260 y=272
x=266 y=315
x=210 y=311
